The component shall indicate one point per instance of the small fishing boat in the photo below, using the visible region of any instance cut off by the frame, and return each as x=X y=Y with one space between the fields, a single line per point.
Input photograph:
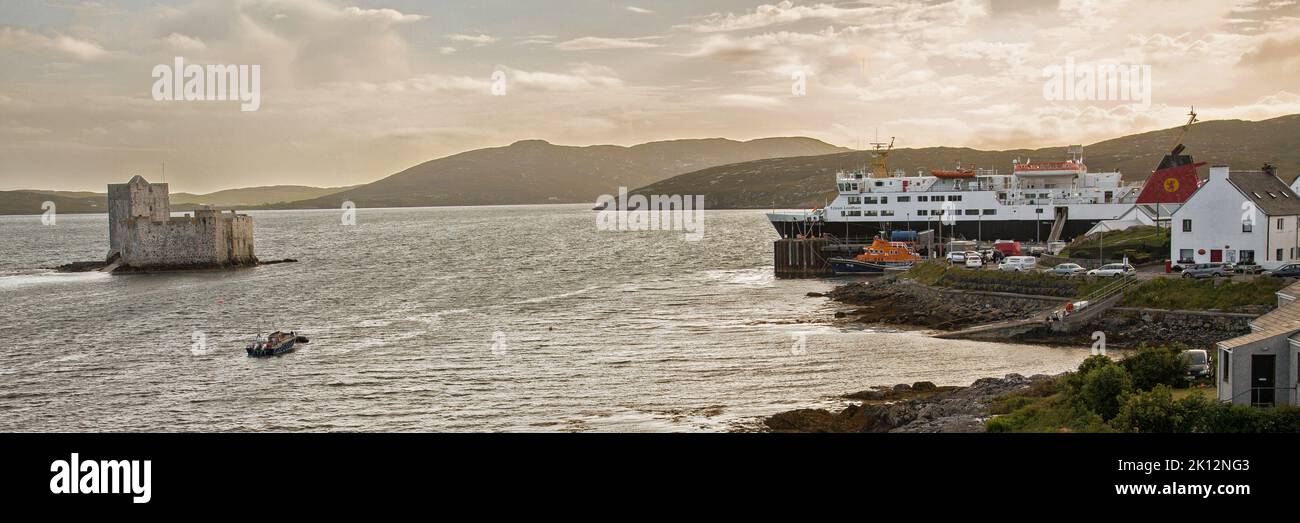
x=276 y=343
x=879 y=257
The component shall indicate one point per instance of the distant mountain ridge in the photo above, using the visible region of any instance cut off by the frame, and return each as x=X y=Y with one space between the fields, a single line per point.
x=30 y=201
x=536 y=171
x=784 y=172
x=809 y=181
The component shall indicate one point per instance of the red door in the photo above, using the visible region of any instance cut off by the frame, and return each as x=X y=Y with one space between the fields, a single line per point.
x=1216 y=255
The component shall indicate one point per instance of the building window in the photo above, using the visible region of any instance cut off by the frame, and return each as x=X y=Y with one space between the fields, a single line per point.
x=972 y=212
x=1248 y=225
x=989 y=212
x=954 y=197
x=884 y=199
x=886 y=213
x=1187 y=226
x=922 y=198
x=1279 y=255
x=1227 y=360
x=922 y=212
x=1185 y=256
x=904 y=199
x=870 y=200
x=1246 y=256
x=1279 y=224
x=854 y=200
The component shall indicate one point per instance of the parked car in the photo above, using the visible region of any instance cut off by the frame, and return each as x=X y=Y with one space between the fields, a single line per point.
x=974 y=260
x=1018 y=263
x=1286 y=271
x=1067 y=269
x=1247 y=268
x=1198 y=363
x=1113 y=269
x=1207 y=270
x=957 y=257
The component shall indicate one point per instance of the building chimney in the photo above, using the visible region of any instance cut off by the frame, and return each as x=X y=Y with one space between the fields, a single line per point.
x=1218 y=172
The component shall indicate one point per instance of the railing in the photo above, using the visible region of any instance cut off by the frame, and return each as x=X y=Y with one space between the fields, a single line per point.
x=1254 y=390
x=1111 y=289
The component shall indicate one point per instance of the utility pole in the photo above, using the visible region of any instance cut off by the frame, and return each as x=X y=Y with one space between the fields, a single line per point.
x=1100 y=239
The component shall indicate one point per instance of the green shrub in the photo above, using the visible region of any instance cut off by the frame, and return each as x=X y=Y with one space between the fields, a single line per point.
x=1094 y=362
x=1150 y=411
x=1152 y=366
x=1009 y=404
x=1052 y=414
x=1104 y=389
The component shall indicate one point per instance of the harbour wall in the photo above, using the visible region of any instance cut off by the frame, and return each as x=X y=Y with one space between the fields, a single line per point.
x=801 y=258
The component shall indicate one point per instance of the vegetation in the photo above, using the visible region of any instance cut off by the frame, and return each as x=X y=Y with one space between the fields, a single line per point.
x=1136 y=394
x=938 y=273
x=1141 y=244
x=1193 y=294
x=1156 y=293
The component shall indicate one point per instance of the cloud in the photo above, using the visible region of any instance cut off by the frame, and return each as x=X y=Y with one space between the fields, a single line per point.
x=582 y=77
x=25 y=41
x=297 y=42
x=785 y=12
x=748 y=100
x=587 y=43
x=388 y=15
x=181 y=42
x=477 y=40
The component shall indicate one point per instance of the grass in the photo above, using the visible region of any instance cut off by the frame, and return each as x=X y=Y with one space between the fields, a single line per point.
x=1207 y=294
x=1210 y=393
x=940 y=274
x=1158 y=293
x=1142 y=244
x=1054 y=413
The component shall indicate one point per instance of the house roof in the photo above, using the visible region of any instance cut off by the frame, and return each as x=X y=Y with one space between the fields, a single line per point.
x=1291 y=291
x=1282 y=321
x=1266 y=191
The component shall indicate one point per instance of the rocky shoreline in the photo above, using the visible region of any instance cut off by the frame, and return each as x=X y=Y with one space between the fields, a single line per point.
x=904 y=303
x=899 y=302
x=918 y=407
x=924 y=407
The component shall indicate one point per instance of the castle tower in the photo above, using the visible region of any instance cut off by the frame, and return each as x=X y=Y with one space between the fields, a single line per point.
x=134 y=200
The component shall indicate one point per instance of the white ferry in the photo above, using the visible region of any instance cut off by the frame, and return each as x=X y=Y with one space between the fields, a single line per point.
x=1038 y=201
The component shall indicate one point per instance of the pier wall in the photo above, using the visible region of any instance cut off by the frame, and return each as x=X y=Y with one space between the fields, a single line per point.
x=801 y=258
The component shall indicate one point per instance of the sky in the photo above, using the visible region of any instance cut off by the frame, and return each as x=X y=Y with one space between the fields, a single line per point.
x=354 y=90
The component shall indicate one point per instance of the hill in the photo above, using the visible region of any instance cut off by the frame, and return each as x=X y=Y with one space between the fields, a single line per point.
x=809 y=181
x=535 y=171
x=30 y=201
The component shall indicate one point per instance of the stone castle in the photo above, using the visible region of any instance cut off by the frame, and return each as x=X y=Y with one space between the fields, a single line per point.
x=142 y=233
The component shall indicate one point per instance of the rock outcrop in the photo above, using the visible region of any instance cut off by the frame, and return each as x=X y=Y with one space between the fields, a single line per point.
x=903 y=302
x=902 y=408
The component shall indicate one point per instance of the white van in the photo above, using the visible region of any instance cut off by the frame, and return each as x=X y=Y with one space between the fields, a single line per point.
x=1018 y=263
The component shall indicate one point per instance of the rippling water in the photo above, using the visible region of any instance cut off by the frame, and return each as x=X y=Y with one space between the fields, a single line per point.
x=466 y=319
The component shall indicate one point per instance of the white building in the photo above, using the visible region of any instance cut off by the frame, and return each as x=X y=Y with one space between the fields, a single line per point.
x=1260 y=368
x=1238 y=216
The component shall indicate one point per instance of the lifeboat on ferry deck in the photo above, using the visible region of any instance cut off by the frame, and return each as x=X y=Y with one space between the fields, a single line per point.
x=955 y=174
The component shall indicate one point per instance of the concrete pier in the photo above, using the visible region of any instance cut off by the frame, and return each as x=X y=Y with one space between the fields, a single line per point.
x=801 y=258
